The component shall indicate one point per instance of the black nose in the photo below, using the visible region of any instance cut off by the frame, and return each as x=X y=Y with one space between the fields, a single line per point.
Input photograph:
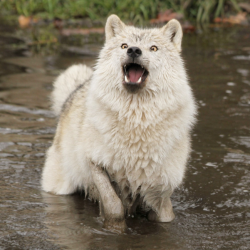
x=134 y=52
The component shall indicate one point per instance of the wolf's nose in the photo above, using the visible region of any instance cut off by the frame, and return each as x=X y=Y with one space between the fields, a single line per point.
x=134 y=52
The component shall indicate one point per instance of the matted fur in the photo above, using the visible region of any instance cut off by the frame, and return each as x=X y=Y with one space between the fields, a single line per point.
x=142 y=140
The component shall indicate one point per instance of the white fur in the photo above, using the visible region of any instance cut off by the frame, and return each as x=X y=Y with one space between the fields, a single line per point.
x=143 y=139
x=67 y=83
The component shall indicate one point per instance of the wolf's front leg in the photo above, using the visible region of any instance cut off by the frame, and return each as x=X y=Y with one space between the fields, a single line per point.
x=111 y=206
x=162 y=213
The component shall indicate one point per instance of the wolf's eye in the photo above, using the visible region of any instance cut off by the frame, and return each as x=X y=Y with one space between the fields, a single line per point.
x=153 y=48
x=124 y=46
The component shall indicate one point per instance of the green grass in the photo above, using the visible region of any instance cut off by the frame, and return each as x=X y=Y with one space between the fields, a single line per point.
x=136 y=11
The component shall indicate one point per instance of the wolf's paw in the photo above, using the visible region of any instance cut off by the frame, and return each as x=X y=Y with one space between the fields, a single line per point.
x=165 y=217
x=115 y=226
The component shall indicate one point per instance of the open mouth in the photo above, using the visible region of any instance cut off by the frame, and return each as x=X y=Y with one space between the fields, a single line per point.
x=134 y=73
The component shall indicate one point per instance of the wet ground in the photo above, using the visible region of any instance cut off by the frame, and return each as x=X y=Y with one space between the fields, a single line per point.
x=212 y=206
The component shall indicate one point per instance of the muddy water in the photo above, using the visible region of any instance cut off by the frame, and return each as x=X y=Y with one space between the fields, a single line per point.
x=212 y=206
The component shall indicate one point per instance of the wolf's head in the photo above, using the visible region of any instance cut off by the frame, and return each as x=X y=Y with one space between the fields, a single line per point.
x=138 y=60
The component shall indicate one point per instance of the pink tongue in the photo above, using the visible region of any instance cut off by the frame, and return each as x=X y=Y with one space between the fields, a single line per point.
x=135 y=73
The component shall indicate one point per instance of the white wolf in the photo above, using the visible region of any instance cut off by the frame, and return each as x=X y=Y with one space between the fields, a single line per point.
x=123 y=134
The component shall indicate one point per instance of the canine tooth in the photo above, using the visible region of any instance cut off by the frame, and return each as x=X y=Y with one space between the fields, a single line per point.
x=139 y=80
x=126 y=79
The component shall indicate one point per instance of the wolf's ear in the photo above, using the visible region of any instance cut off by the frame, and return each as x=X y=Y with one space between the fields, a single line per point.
x=113 y=26
x=173 y=31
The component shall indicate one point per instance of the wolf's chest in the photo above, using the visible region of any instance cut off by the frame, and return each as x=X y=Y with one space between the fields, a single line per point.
x=137 y=158
x=137 y=149
x=136 y=140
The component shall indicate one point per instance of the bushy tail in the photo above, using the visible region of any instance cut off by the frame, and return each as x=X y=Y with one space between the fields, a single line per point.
x=66 y=83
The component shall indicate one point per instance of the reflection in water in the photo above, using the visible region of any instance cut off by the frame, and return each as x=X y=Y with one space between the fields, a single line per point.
x=68 y=221
x=212 y=206
x=74 y=222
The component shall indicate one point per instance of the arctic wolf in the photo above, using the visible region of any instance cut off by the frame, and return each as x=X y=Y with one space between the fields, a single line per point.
x=123 y=134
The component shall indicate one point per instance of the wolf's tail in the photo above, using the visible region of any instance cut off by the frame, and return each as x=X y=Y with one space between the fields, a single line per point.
x=66 y=83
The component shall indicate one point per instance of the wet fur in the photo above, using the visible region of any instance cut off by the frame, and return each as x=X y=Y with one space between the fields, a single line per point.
x=141 y=140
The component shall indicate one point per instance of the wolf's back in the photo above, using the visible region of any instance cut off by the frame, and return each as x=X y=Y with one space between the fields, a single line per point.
x=66 y=83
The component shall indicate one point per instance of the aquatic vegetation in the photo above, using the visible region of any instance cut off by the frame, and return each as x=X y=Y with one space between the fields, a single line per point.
x=137 y=11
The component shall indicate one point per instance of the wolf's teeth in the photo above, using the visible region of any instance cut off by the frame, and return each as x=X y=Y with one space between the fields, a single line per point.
x=126 y=79
x=139 y=80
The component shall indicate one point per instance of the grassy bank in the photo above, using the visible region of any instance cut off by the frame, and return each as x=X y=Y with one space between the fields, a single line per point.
x=136 y=11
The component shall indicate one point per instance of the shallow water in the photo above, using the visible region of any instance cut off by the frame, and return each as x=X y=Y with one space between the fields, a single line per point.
x=212 y=206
